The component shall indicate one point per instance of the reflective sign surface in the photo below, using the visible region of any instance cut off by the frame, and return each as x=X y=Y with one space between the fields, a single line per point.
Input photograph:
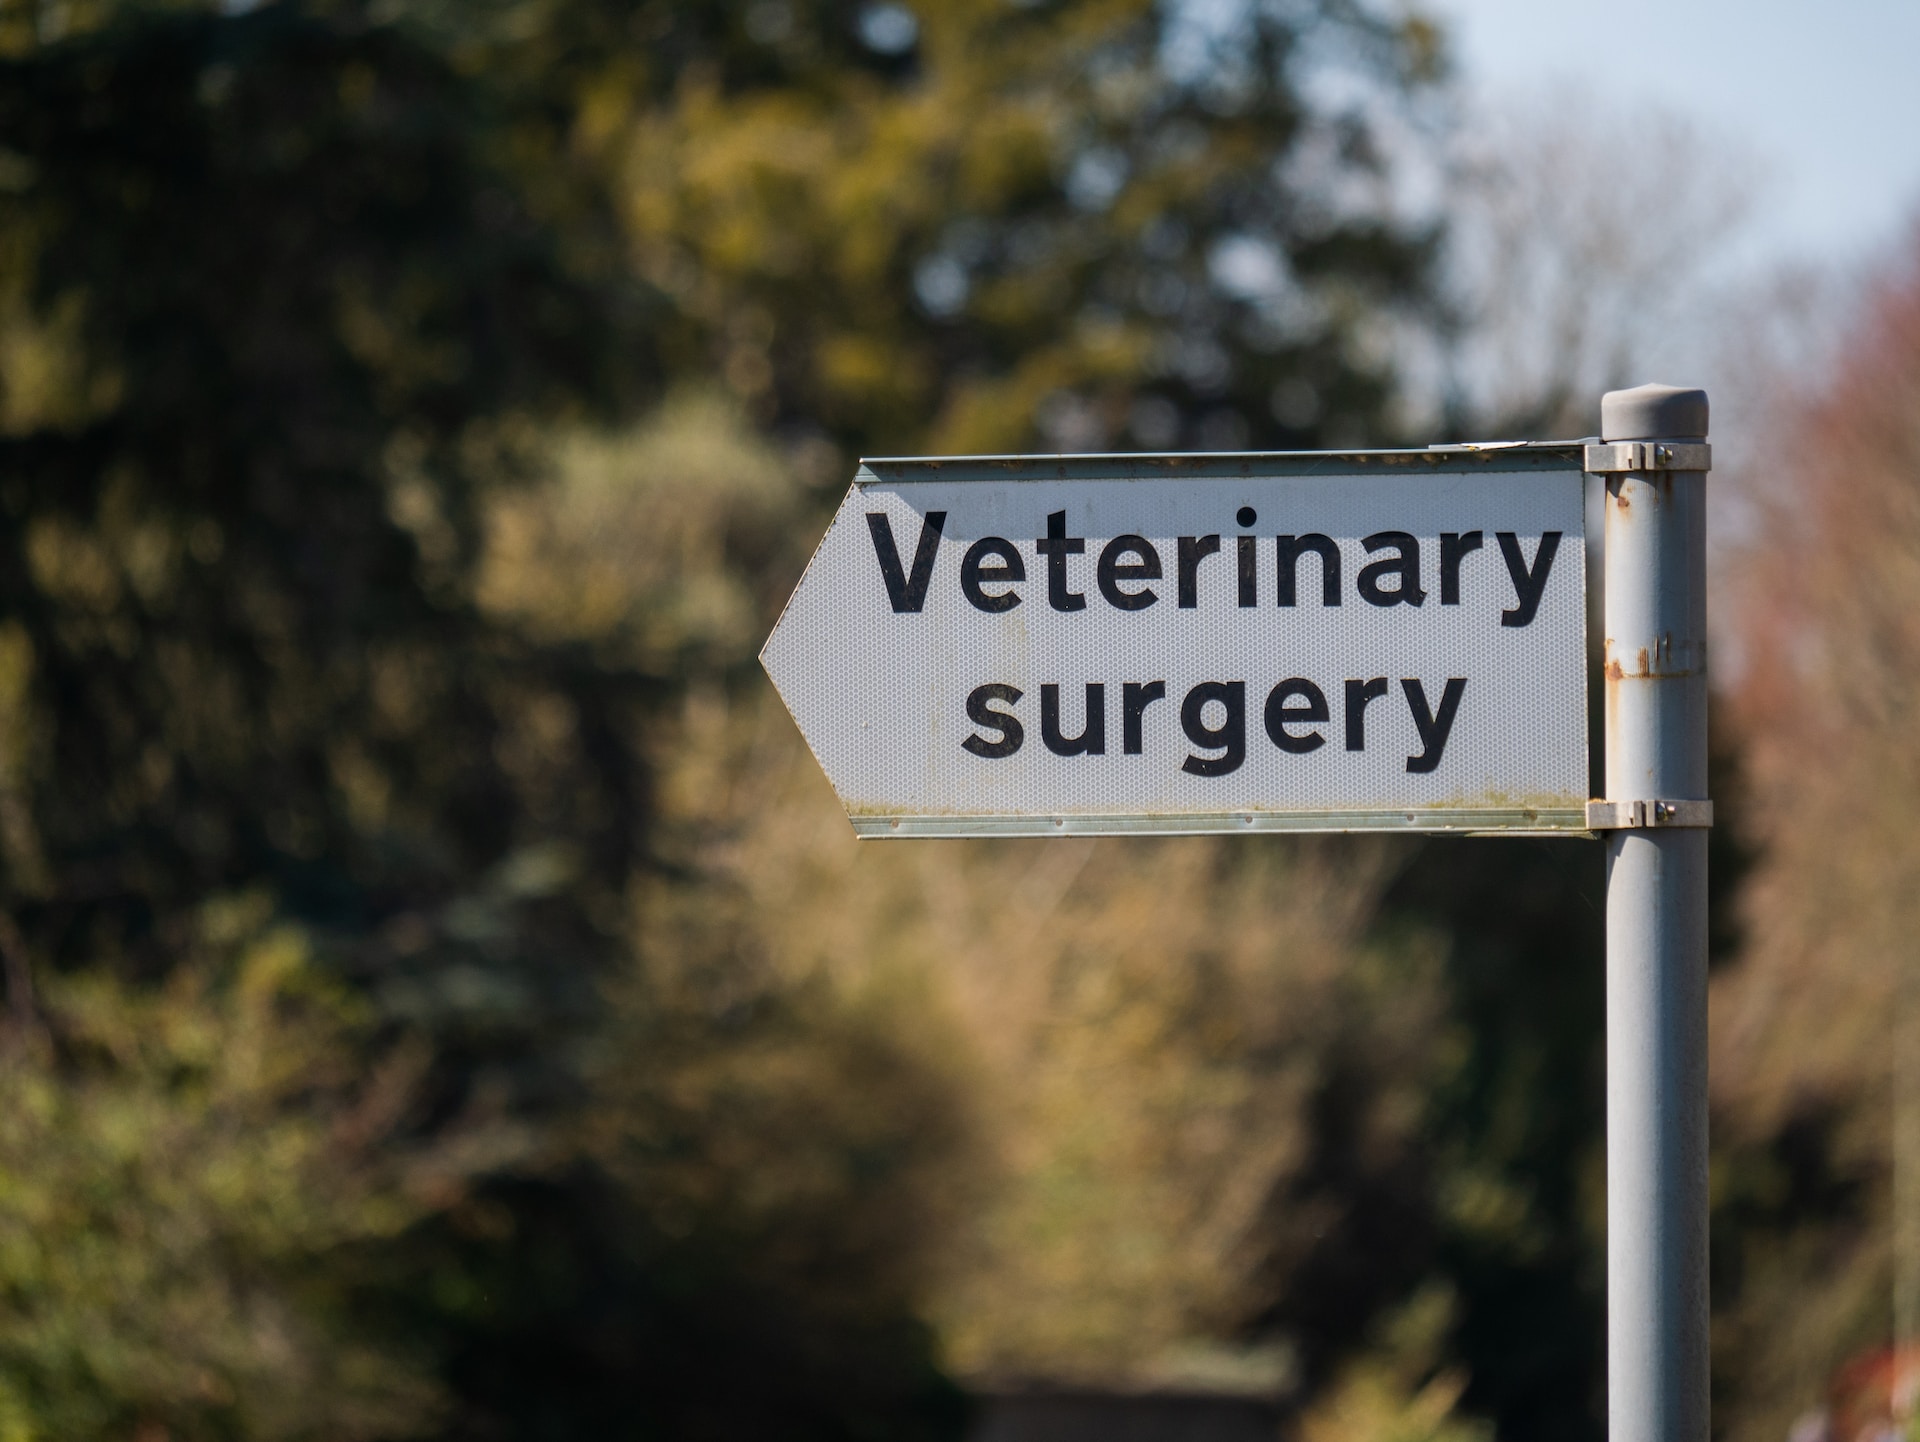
x=1086 y=645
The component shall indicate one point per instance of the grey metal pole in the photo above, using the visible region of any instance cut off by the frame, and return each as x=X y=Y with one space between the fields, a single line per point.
x=1656 y=749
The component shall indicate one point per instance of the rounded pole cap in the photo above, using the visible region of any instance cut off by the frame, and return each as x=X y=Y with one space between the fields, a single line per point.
x=1653 y=412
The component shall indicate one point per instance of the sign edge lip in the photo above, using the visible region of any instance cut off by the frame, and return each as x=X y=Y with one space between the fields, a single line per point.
x=1542 y=456
x=1567 y=820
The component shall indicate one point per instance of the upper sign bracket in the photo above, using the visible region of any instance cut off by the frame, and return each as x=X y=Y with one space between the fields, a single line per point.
x=1607 y=456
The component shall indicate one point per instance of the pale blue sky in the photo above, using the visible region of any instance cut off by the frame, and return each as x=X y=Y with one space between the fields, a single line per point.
x=1826 y=93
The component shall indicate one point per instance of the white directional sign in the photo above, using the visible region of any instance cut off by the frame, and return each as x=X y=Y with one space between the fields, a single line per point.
x=1103 y=644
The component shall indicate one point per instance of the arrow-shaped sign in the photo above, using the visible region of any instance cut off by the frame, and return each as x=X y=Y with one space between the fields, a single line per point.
x=1100 y=644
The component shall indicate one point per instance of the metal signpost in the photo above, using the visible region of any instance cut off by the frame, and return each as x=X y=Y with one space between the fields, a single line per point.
x=1655 y=663
x=1397 y=640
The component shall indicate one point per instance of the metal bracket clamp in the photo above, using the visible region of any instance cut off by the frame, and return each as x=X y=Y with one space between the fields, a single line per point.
x=1605 y=456
x=1640 y=815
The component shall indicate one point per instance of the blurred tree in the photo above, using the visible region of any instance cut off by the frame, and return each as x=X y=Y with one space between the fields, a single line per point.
x=1816 y=1027
x=978 y=225
x=1550 y=269
x=1400 y=1392
x=187 y=1191
x=1514 y=1126
x=286 y=289
x=278 y=315
x=733 y=1231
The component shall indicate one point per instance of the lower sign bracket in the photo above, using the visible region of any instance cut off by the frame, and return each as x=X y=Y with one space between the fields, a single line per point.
x=1637 y=815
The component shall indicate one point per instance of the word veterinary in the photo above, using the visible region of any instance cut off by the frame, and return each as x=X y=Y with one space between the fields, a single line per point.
x=993 y=566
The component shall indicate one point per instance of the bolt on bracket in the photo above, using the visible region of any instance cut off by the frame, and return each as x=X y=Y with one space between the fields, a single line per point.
x=1608 y=456
x=1640 y=815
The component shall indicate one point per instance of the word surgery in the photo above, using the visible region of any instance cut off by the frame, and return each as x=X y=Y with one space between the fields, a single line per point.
x=978 y=650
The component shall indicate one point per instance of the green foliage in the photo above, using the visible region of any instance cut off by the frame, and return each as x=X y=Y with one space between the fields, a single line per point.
x=1191 y=1043
x=1398 y=1393
x=290 y=289
x=1515 y=1124
x=1110 y=222
x=766 y=1161
x=662 y=547
x=185 y=1184
x=282 y=322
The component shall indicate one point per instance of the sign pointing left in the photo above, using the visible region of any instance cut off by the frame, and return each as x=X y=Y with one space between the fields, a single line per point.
x=1180 y=643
